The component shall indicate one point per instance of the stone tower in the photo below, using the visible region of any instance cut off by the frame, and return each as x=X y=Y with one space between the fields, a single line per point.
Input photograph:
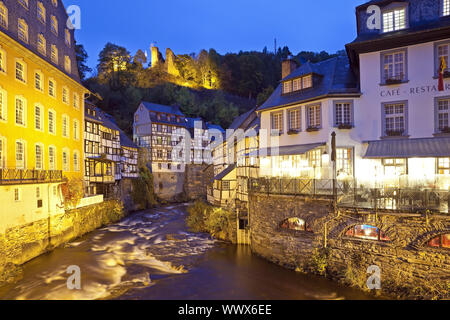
x=170 y=63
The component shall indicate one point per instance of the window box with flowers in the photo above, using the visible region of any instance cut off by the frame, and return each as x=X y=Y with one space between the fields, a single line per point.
x=395 y=133
x=445 y=130
x=292 y=132
x=313 y=129
x=345 y=126
x=396 y=80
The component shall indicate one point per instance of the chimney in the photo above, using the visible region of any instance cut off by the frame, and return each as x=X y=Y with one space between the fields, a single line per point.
x=288 y=66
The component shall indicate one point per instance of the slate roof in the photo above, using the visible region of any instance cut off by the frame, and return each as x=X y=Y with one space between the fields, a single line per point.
x=162 y=108
x=408 y=148
x=225 y=172
x=240 y=121
x=215 y=126
x=286 y=150
x=336 y=78
x=191 y=123
x=108 y=121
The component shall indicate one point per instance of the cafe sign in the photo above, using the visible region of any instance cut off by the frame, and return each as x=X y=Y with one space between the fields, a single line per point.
x=413 y=91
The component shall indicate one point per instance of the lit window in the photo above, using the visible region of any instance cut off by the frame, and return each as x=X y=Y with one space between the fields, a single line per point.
x=343 y=114
x=2 y=153
x=76 y=101
x=22 y=30
x=66 y=165
x=443 y=166
x=366 y=232
x=52 y=88
x=277 y=122
x=443 y=52
x=20 y=155
x=287 y=86
x=296 y=84
x=54 y=54
x=16 y=194
x=395 y=119
x=51 y=122
x=294 y=119
x=39 y=157
x=54 y=25
x=40 y=12
x=65 y=126
x=394 y=167
x=67 y=37
x=394 y=20
x=76 y=133
x=20 y=71
x=3 y=105
x=42 y=44
x=394 y=67
x=314 y=116
x=344 y=162
x=51 y=158
x=446 y=7
x=307 y=82
x=24 y=3
x=38 y=83
x=3 y=16
x=315 y=158
x=67 y=64
x=442 y=241
x=443 y=110
x=296 y=224
x=20 y=111
x=38 y=117
x=76 y=161
x=65 y=95
x=2 y=60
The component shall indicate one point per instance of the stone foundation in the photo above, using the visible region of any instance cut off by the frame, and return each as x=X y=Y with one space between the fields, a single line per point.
x=409 y=268
x=23 y=243
x=196 y=180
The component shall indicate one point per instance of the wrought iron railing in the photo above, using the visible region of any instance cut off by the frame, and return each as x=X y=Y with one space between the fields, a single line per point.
x=351 y=194
x=18 y=176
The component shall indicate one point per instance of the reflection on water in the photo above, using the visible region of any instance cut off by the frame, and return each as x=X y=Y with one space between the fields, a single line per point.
x=151 y=255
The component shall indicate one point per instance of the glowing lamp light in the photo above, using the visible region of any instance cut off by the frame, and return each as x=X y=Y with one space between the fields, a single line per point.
x=325 y=157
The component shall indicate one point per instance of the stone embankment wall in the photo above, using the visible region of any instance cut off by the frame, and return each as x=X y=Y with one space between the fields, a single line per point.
x=197 y=179
x=409 y=267
x=23 y=243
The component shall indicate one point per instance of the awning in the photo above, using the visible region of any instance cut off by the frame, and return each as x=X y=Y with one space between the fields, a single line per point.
x=285 y=150
x=225 y=172
x=409 y=148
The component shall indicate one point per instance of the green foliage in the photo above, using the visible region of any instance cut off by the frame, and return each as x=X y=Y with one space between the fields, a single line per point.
x=72 y=191
x=264 y=95
x=143 y=189
x=82 y=56
x=206 y=218
x=319 y=261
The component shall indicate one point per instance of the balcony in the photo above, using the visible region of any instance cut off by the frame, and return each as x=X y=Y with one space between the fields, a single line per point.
x=350 y=193
x=17 y=176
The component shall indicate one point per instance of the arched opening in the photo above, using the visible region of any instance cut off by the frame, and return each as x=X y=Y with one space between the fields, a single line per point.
x=366 y=232
x=296 y=224
x=442 y=241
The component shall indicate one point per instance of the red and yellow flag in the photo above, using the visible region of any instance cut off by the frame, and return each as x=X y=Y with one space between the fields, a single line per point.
x=442 y=68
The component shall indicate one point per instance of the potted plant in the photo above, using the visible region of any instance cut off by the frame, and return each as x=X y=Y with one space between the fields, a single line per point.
x=395 y=79
x=293 y=131
x=312 y=129
x=394 y=133
x=445 y=130
x=345 y=126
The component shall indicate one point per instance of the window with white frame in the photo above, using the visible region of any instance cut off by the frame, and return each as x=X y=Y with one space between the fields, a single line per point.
x=394 y=20
x=51 y=158
x=287 y=86
x=67 y=37
x=20 y=111
x=443 y=52
x=314 y=116
x=343 y=113
x=2 y=152
x=394 y=167
x=3 y=105
x=42 y=44
x=54 y=25
x=38 y=110
x=51 y=122
x=21 y=71
x=67 y=64
x=277 y=121
x=76 y=130
x=66 y=157
x=22 y=30
x=76 y=161
x=52 y=88
x=20 y=155
x=54 y=54
x=395 y=119
x=344 y=162
x=394 y=66
x=38 y=81
x=65 y=126
x=443 y=110
x=65 y=95
x=446 y=7
x=443 y=166
x=295 y=119
x=2 y=60
x=41 y=12
x=76 y=101
x=3 y=16
x=307 y=82
x=296 y=84
x=39 y=157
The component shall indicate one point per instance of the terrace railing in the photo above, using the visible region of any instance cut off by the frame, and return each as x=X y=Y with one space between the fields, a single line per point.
x=349 y=193
x=17 y=176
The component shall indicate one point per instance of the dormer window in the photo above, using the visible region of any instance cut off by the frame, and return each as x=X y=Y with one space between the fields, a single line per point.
x=307 y=82
x=446 y=8
x=394 y=19
x=287 y=86
x=298 y=84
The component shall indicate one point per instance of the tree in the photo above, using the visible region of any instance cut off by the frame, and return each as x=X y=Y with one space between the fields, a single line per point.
x=264 y=95
x=140 y=58
x=82 y=56
x=114 y=61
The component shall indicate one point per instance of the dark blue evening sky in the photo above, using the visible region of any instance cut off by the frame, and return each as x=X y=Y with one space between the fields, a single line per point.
x=188 y=26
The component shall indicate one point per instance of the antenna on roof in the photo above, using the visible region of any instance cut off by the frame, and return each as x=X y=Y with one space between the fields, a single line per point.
x=275 y=46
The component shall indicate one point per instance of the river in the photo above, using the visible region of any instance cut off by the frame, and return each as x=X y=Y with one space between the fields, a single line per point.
x=151 y=255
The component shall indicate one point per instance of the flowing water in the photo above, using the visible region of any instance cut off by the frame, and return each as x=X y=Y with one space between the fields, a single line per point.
x=151 y=255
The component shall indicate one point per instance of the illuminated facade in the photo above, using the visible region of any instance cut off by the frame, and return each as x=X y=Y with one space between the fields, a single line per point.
x=41 y=109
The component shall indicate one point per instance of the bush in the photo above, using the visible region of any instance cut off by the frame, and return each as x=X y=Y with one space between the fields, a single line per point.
x=72 y=191
x=143 y=193
x=319 y=261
